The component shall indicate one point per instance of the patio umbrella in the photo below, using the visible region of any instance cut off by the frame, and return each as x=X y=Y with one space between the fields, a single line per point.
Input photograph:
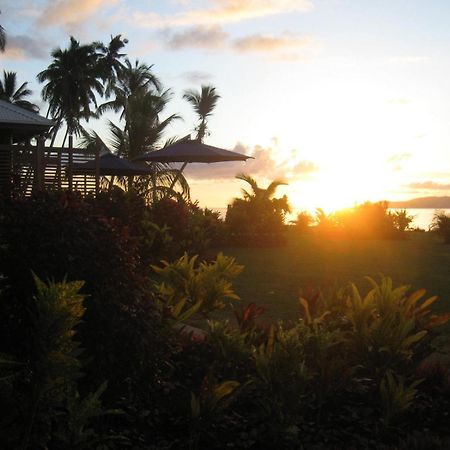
x=190 y=151
x=113 y=165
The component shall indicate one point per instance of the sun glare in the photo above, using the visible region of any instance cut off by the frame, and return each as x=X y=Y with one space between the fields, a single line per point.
x=334 y=190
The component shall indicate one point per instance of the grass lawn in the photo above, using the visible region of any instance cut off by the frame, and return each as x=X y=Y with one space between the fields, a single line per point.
x=273 y=277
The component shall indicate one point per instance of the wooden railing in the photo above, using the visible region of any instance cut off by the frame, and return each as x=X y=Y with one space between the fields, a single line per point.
x=28 y=168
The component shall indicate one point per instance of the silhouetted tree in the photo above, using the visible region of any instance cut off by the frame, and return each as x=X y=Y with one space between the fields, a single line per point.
x=258 y=217
x=73 y=80
x=9 y=92
x=109 y=61
x=203 y=103
x=131 y=81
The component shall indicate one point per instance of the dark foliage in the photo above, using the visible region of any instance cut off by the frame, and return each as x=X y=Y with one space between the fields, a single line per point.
x=365 y=221
x=355 y=370
x=257 y=219
x=62 y=237
x=255 y=223
x=441 y=225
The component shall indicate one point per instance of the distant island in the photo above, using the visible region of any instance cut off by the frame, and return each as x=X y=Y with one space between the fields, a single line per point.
x=423 y=202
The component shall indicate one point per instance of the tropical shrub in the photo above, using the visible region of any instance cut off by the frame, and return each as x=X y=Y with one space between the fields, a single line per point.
x=186 y=288
x=190 y=228
x=61 y=236
x=257 y=218
x=367 y=220
x=41 y=404
x=402 y=220
x=344 y=374
x=303 y=222
x=441 y=225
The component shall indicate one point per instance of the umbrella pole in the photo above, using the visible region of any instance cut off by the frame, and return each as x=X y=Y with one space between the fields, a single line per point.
x=178 y=175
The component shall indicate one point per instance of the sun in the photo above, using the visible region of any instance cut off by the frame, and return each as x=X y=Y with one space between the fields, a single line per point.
x=332 y=190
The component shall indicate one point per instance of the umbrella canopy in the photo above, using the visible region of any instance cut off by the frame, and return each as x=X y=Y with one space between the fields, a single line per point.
x=110 y=164
x=189 y=151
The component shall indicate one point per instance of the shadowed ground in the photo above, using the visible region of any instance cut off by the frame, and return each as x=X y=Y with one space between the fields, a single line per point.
x=273 y=277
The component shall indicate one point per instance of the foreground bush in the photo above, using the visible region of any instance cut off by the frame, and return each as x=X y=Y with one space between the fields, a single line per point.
x=164 y=229
x=62 y=237
x=354 y=370
x=41 y=406
x=345 y=375
x=441 y=225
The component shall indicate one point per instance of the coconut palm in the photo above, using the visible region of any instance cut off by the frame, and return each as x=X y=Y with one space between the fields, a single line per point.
x=132 y=79
x=260 y=194
x=258 y=216
x=73 y=80
x=10 y=93
x=109 y=61
x=203 y=103
x=164 y=181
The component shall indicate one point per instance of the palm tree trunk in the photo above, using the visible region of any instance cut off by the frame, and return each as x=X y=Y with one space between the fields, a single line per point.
x=65 y=137
x=55 y=131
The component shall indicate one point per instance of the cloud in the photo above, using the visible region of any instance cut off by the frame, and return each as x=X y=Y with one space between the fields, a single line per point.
x=430 y=186
x=21 y=47
x=223 y=11
x=304 y=168
x=206 y=37
x=284 y=46
x=196 y=76
x=266 y=165
x=70 y=12
x=270 y=43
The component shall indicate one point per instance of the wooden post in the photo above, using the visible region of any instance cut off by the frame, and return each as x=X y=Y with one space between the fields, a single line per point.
x=58 y=168
x=70 y=164
x=97 y=171
x=40 y=164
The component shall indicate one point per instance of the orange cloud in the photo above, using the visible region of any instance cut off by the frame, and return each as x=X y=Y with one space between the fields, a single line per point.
x=270 y=43
x=286 y=46
x=265 y=165
x=199 y=37
x=62 y=12
x=224 y=11
x=430 y=185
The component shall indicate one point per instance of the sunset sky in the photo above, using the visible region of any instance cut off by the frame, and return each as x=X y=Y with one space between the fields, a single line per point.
x=347 y=100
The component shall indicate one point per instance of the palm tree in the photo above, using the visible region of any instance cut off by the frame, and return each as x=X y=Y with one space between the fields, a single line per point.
x=203 y=103
x=259 y=194
x=73 y=80
x=10 y=93
x=141 y=100
x=258 y=215
x=164 y=181
x=132 y=79
x=109 y=61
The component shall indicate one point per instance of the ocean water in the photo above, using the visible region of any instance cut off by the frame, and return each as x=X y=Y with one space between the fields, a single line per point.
x=422 y=217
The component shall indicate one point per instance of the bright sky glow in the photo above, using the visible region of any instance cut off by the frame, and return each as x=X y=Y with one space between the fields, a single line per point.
x=348 y=100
